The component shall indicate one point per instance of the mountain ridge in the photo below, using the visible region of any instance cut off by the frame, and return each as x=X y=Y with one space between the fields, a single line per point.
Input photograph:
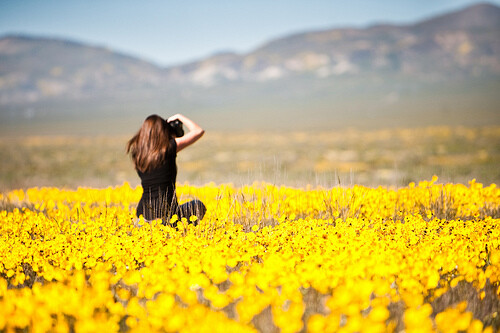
x=320 y=43
x=360 y=70
x=327 y=52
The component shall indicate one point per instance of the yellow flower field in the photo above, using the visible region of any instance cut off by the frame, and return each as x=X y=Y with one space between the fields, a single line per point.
x=423 y=258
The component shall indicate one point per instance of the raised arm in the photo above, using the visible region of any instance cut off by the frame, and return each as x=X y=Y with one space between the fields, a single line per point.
x=195 y=132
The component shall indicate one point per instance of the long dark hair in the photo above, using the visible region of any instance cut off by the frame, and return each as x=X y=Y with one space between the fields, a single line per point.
x=148 y=147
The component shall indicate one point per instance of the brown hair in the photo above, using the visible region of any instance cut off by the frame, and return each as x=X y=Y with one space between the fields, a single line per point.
x=148 y=147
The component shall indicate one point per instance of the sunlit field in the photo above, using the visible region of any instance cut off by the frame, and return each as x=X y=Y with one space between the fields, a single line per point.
x=389 y=157
x=424 y=257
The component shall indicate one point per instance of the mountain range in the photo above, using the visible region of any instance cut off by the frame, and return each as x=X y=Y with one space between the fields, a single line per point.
x=442 y=69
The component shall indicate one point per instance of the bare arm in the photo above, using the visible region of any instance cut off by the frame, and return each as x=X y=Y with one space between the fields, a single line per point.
x=195 y=132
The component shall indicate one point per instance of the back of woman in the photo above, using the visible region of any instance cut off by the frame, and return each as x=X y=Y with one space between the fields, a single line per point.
x=154 y=150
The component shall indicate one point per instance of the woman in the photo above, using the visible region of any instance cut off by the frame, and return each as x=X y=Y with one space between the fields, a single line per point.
x=153 y=150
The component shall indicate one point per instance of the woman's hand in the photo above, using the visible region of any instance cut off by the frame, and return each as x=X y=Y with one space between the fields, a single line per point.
x=174 y=117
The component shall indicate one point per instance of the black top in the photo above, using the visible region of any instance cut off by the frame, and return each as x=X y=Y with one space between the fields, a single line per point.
x=158 y=197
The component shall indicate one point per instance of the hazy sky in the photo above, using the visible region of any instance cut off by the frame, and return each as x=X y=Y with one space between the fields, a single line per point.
x=175 y=31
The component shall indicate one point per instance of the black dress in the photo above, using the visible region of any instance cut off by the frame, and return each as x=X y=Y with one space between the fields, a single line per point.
x=159 y=200
x=158 y=197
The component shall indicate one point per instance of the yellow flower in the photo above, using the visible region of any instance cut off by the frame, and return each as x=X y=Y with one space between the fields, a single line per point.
x=352 y=253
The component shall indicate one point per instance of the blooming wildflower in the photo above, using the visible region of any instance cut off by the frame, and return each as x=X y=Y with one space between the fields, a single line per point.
x=315 y=260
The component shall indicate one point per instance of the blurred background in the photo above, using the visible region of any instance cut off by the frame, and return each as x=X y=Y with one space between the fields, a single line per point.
x=290 y=92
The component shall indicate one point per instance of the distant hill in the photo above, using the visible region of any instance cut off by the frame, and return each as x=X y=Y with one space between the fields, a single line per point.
x=448 y=63
x=454 y=45
x=33 y=69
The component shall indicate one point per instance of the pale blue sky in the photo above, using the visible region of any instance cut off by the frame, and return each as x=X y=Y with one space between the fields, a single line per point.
x=172 y=32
